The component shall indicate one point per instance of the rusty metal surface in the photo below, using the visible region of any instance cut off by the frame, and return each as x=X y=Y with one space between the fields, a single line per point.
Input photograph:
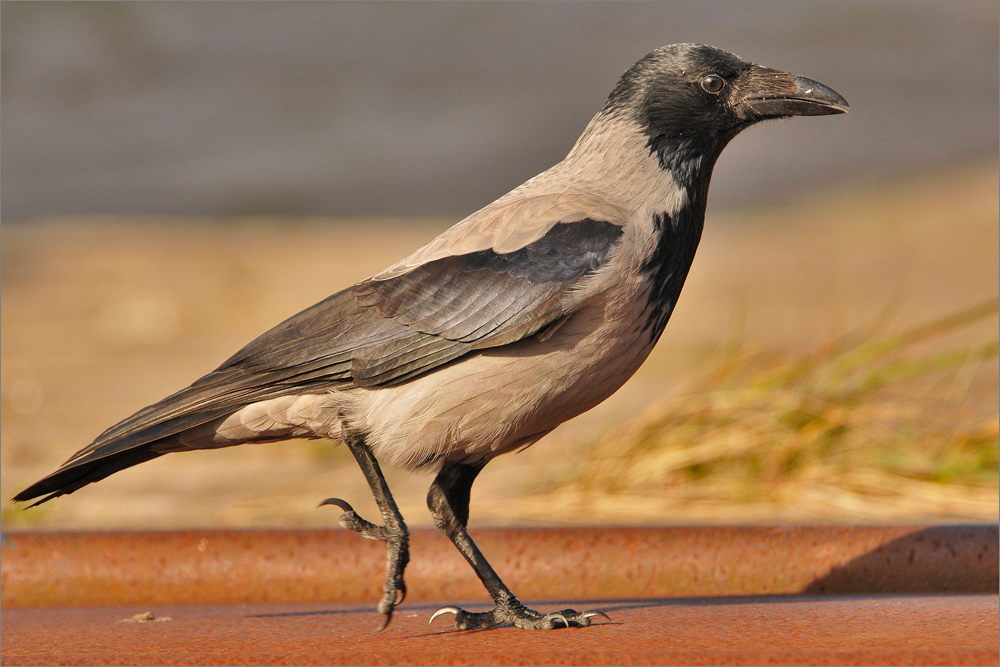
x=261 y=566
x=771 y=630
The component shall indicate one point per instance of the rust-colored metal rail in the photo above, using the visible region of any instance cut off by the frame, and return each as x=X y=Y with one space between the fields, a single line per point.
x=251 y=566
x=709 y=595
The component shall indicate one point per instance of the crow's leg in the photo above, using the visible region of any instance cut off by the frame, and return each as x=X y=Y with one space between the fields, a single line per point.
x=393 y=533
x=448 y=500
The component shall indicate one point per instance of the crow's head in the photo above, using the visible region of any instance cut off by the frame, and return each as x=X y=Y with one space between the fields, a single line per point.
x=691 y=99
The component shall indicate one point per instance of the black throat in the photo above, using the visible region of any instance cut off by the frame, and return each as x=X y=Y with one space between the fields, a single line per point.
x=689 y=160
x=689 y=163
x=667 y=267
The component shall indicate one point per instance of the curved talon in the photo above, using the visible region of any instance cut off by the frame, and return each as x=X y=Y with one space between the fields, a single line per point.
x=554 y=615
x=342 y=504
x=400 y=595
x=387 y=618
x=444 y=610
x=589 y=614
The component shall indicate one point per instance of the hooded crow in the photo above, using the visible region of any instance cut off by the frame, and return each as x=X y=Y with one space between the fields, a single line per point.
x=523 y=315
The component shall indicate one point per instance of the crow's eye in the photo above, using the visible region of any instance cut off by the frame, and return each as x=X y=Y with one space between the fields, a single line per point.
x=713 y=84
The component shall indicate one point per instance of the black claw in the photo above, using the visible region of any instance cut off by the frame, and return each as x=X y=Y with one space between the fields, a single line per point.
x=342 y=504
x=385 y=608
x=351 y=520
x=442 y=611
x=594 y=612
x=386 y=619
x=554 y=616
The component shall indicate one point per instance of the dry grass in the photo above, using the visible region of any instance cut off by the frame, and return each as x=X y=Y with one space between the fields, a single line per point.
x=864 y=428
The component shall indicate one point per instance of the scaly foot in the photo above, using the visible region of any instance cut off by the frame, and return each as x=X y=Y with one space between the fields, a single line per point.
x=516 y=613
x=397 y=541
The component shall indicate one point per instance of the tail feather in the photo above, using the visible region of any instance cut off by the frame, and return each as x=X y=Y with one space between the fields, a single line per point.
x=107 y=455
x=73 y=476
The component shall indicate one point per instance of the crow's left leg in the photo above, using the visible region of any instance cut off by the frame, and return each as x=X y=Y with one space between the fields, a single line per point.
x=393 y=533
x=448 y=500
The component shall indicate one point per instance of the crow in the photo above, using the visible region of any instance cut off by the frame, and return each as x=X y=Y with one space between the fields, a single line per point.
x=523 y=315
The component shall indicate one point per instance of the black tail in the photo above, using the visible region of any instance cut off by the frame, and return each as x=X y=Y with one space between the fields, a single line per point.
x=75 y=475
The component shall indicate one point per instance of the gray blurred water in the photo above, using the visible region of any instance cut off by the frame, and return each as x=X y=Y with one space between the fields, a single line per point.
x=206 y=108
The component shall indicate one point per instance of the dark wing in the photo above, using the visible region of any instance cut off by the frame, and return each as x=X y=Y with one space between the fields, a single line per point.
x=478 y=300
x=378 y=332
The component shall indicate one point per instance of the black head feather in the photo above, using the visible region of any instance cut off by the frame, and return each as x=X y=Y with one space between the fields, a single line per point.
x=690 y=100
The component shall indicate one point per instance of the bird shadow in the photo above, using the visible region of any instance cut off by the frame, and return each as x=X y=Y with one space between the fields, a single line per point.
x=361 y=609
x=316 y=612
x=599 y=605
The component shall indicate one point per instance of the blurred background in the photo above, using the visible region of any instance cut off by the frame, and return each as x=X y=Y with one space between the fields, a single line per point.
x=175 y=178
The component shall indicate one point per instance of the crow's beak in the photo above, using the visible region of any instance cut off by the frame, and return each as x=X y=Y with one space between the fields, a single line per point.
x=782 y=94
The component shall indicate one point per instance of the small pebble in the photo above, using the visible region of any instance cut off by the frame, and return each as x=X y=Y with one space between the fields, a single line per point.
x=145 y=617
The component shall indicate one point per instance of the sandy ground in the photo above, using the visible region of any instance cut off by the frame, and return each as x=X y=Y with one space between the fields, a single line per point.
x=101 y=317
